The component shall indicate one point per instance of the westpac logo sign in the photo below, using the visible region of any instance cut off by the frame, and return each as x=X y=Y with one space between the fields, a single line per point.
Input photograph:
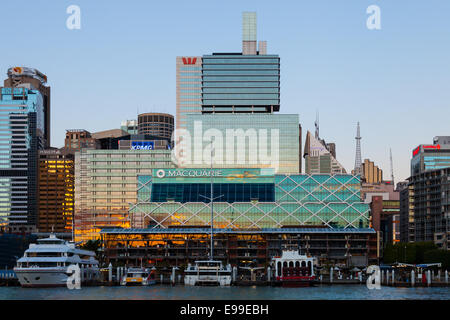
x=189 y=60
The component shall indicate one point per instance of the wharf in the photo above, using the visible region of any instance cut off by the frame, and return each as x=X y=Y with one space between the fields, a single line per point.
x=8 y=278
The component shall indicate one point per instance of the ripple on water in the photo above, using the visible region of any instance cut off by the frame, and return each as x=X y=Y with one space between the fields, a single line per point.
x=343 y=292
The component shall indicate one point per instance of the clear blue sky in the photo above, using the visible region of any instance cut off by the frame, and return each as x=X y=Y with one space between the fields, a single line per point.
x=395 y=81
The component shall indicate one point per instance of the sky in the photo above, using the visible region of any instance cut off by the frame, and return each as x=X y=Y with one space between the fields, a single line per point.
x=395 y=81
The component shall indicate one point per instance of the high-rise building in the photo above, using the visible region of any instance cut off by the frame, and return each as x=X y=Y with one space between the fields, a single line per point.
x=370 y=173
x=407 y=227
x=431 y=192
x=18 y=76
x=318 y=158
x=238 y=82
x=56 y=191
x=22 y=135
x=156 y=124
x=105 y=186
x=430 y=157
x=189 y=88
x=428 y=194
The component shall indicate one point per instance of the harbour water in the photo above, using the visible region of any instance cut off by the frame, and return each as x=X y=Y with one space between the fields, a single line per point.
x=163 y=292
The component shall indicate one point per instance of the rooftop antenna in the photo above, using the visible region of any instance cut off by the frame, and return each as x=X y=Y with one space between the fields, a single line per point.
x=357 y=169
x=316 y=124
x=392 y=166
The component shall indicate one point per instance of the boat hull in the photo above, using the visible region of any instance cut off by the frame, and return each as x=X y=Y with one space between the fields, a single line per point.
x=194 y=280
x=48 y=278
x=297 y=284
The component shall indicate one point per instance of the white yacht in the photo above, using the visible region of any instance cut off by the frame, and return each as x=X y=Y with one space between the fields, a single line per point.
x=207 y=272
x=45 y=264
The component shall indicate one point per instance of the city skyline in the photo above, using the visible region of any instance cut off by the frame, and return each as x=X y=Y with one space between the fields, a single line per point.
x=382 y=78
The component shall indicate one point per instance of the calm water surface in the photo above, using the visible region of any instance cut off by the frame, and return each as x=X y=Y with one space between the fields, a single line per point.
x=161 y=292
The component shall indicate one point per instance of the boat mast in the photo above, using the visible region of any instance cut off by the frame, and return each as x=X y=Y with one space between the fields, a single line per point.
x=212 y=207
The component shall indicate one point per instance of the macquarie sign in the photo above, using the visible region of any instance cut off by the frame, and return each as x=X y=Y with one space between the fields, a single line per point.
x=265 y=175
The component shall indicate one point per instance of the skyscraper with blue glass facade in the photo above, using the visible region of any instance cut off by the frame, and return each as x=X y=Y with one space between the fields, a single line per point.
x=22 y=129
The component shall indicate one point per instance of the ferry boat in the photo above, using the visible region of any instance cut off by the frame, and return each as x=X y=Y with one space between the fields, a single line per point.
x=139 y=276
x=208 y=272
x=294 y=270
x=45 y=264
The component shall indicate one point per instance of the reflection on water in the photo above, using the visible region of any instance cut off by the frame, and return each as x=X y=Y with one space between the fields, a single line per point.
x=160 y=292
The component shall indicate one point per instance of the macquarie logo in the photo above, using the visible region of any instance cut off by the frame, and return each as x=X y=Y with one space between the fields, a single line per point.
x=189 y=60
x=160 y=173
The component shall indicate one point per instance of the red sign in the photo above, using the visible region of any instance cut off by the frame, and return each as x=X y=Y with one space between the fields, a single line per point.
x=189 y=60
x=432 y=147
x=416 y=150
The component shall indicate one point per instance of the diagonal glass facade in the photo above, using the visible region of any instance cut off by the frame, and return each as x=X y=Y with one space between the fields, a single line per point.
x=300 y=200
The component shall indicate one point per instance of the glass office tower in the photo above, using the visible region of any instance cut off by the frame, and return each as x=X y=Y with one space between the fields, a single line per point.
x=240 y=83
x=21 y=136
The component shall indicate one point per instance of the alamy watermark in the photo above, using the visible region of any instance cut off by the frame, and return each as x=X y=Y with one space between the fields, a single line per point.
x=233 y=146
x=73 y=22
x=374 y=278
x=374 y=20
x=74 y=280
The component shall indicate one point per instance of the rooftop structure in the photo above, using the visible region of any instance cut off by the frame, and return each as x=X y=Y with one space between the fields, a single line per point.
x=318 y=158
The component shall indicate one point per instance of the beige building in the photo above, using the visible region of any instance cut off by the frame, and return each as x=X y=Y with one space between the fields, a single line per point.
x=370 y=172
x=106 y=185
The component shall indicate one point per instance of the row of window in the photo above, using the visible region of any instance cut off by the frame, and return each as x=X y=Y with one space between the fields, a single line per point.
x=199 y=192
x=240 y=72
x=240 y=102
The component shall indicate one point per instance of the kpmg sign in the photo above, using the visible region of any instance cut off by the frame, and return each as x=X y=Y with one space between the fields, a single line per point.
x=142 y=145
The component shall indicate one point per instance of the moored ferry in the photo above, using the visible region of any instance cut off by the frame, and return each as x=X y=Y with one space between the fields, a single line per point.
x=294 y=270
x=207 y=273
x=46 y=264
x=139 y=277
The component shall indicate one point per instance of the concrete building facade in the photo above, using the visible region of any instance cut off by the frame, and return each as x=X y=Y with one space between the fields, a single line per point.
x=106 y=185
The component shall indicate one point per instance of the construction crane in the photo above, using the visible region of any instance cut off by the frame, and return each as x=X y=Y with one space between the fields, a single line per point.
x=392 y=167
